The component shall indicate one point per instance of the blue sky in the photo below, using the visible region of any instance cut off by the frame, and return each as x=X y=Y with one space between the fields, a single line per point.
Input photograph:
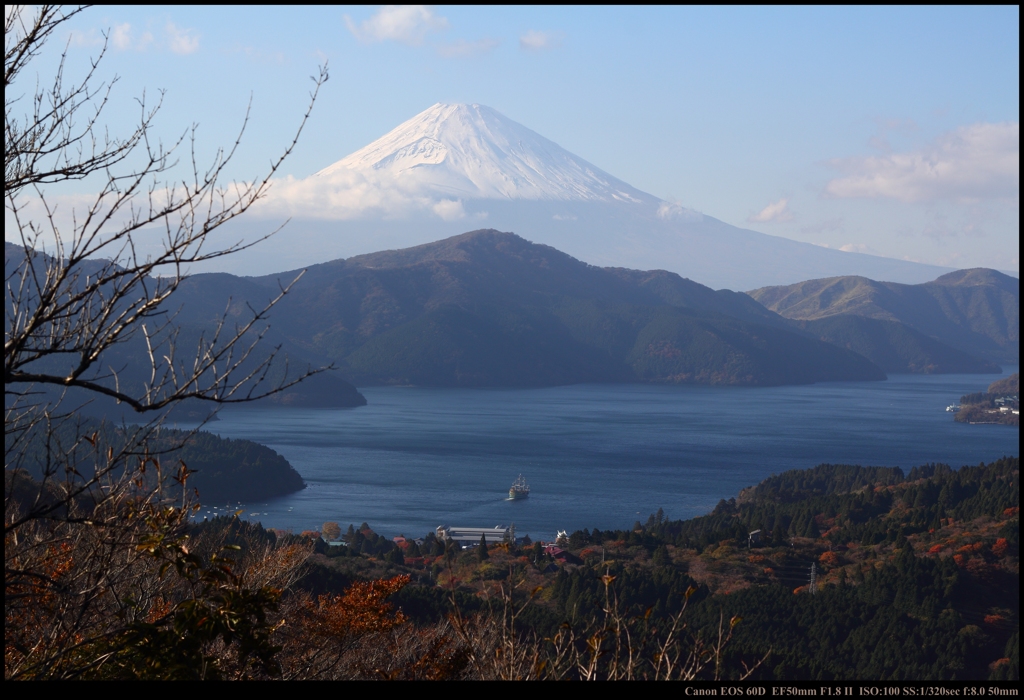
x=886 y=130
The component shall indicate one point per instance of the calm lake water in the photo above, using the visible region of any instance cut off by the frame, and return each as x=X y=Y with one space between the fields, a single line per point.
x=594 y=455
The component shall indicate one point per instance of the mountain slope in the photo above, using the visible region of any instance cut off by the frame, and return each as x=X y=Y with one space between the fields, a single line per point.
x=182 y=339
x=472 y=151
x=976 y=311
x=491 y=309
x=895 y=346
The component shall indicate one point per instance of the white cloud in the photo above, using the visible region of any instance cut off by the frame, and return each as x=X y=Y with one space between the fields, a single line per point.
x=347 y=195
x=776 y=212
x=121 y=36
x=672 y=210
x=449 y=209
x=406 y=24
x=181 y=41
x=980 y=161
x=468 y=49
x=535 y=40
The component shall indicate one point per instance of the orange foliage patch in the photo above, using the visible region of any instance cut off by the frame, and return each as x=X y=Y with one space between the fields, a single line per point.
x=27 y=625
x=360 y=610
x=160 y=608
x=754 y=558
x=999 y=548
x=935 y=549
x=829 y=558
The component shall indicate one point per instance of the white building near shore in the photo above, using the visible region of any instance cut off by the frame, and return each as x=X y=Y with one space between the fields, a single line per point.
x=470 y=536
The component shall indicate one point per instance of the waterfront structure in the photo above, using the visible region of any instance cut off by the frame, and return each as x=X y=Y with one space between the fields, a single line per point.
x=470 y=536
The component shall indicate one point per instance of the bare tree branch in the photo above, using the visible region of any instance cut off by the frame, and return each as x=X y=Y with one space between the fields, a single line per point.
x=93 y=519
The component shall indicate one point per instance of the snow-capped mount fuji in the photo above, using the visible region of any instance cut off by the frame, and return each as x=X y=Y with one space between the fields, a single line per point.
x=455 y=168
x=474 y=152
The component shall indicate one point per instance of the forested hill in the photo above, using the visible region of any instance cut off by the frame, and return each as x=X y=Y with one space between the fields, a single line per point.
x=916 y=575
x=223 y=469
x=491 y=309
x=975 y=311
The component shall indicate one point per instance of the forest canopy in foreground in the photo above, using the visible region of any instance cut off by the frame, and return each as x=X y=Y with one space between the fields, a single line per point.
x=916 y=577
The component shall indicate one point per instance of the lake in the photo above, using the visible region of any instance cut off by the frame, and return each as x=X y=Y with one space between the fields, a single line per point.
x=594 y=455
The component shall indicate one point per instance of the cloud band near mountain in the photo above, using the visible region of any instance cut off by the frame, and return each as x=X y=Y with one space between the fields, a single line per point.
x=981 y=161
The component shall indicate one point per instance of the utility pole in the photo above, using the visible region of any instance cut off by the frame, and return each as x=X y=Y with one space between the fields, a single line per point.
x=813 y=588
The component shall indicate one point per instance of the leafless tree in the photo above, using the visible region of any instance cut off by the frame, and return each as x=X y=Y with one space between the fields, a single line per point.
x=76 y=503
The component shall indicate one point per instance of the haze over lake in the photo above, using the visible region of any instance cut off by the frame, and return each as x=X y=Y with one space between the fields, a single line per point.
x=594 y=455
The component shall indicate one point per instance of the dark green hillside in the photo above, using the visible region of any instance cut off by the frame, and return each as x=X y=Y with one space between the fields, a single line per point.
x=486 y=346
x=894 y=346
x=917 y=574
x=492 y=309
x=194 y=315
x=678 y=291
x=224 y=469
x=130 y=359
x=976 y=311
x=678 y=346
x=236 y=470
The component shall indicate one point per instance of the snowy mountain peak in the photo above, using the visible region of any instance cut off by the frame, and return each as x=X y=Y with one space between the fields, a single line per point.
x=473 y=152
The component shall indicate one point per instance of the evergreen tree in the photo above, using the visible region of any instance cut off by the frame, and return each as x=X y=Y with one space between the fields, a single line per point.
x=481 y=550
x=395 y=556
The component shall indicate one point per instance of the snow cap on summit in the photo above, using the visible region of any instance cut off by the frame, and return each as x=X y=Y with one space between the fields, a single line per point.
x=473 y=152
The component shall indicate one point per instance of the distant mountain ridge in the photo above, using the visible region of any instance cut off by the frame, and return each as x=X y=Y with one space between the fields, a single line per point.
x=491 y=309
x=976 y=311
